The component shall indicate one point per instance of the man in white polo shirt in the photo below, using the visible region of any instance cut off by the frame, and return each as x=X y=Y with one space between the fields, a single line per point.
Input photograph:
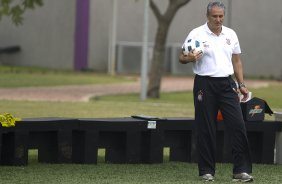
x=215 y=89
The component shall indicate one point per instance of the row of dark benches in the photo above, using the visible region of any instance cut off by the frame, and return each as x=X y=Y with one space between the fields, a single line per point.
x=125 y=140
x=10 y=49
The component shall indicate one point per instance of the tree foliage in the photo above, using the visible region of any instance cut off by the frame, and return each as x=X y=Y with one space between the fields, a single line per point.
x=16 y=8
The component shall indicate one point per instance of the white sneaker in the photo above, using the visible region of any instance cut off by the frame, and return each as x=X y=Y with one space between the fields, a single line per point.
x=207 y=177
x=242 y=177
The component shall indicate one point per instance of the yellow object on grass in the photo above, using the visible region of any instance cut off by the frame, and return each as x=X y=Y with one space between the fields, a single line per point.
x=7 y=120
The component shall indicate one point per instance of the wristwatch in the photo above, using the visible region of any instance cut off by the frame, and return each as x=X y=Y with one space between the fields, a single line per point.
x=241 y=85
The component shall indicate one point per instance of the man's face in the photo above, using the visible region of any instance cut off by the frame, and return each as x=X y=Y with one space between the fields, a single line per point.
x=215 y=17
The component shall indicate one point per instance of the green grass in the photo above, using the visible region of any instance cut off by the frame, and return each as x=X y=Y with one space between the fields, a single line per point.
x=95 y=109
x=56 y=79
x=105 y=173
x=170 y=105
x=178 y=104
x=11 y=77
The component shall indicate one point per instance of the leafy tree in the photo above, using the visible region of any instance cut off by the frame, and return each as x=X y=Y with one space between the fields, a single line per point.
x=164 y=21
x=16 y=9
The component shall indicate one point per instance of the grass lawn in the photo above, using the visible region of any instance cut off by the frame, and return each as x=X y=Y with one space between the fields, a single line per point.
x=106 y=173
x=178 y=104
x=11 y=77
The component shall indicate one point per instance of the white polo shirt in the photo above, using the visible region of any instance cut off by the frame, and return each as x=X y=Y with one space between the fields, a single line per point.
x=216 y=61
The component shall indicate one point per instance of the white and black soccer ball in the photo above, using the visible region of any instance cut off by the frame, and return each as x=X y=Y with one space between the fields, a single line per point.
x=192 y=44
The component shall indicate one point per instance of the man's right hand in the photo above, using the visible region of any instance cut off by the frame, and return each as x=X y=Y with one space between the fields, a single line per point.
x=191 y=57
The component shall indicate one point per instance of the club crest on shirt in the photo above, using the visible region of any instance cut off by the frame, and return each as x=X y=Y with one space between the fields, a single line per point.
x=200 y=96
x=206 y=45
x=228 y=41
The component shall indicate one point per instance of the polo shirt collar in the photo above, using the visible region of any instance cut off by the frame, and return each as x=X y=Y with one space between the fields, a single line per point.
x=223 y=31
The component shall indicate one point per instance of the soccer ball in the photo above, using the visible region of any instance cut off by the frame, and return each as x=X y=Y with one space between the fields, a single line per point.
x=192 y=44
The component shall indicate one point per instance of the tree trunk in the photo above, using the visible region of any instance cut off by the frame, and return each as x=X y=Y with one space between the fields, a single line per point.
x=157 y=66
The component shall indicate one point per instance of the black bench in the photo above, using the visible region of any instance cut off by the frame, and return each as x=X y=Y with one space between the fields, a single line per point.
x=10 y=49
x=126 y=140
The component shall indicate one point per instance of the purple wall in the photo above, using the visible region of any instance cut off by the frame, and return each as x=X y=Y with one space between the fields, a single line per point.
x=81 y=34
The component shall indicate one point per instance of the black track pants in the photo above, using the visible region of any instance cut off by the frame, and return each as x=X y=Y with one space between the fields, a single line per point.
x=210 y=95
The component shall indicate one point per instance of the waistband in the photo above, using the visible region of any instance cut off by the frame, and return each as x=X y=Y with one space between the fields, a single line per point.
x=227 y=79
x=209 y=77
x=213 y=78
